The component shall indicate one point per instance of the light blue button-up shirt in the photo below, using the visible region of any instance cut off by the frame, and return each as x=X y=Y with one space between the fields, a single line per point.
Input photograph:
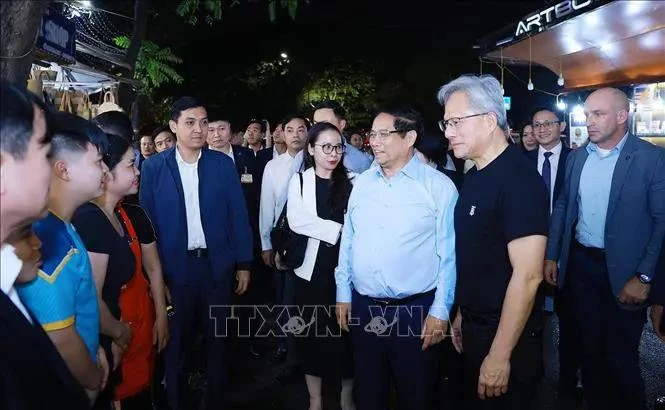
x=355 y=160
x=593 y=195
x=398 y=238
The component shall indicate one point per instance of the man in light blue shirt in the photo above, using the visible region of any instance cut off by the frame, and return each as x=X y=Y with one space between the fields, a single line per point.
x=606 y=234
x=396 y=268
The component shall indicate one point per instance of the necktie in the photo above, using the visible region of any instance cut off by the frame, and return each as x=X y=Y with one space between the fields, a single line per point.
x=547 y=173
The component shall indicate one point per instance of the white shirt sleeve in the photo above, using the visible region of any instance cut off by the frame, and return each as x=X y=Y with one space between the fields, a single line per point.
x=267 y=207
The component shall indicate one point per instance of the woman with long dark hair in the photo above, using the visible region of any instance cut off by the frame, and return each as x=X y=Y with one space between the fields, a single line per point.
x=527 y=139
x=317 y=201
x=120 y=241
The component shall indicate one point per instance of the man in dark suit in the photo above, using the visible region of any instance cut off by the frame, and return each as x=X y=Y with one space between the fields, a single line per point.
x=195 y=202
x=606 y=234
x=550 y=160
x=657 y=297
x=219 y=139
x=32 y=372
x=550 y=157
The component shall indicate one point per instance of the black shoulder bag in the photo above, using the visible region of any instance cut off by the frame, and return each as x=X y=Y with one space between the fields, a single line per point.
x=289 y=245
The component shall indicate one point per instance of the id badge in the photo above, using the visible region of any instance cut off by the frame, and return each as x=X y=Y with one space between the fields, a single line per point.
x=246 y=179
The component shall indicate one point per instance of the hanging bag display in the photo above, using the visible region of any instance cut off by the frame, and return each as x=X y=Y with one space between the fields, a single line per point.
x=66 y=102
x=109 y=104
x=84 y=109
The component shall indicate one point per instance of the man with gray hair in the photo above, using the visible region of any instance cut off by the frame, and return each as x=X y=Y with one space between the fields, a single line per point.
x=501 y=221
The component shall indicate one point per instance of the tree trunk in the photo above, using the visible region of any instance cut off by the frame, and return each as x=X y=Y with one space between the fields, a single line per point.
x=20 y=22
x=128 y=96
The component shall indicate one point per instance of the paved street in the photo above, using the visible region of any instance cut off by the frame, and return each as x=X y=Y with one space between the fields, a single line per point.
x=255 y=384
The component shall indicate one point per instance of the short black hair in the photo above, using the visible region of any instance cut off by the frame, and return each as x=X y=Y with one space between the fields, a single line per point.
x=116 y=123
x=406 y=119
x=72 y=133
x=261 y=124
x=17 y=114
x=216 y=114
x=159 y=130
x=339 y=111
x=433 y=145
x=540 y=109
x=118 y=146
x=292 y=117
x=182 y=104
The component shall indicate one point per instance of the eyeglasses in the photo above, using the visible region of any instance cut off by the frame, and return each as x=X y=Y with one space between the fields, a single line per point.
x=454 y=122
x=382 y=135
x=328 y=149
x=543 y=124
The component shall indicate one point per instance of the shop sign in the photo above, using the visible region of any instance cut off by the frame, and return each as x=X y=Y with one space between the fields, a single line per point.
x=554 y=14
x=57 y=37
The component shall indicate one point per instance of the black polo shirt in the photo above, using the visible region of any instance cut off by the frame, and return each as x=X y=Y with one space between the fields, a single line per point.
x=505 y=200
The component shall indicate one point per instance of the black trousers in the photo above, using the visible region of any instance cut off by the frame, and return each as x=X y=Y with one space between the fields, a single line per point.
x=526 y=362
x=610 y=335
x=569 y=343
x=386 y=342
x=201 y=307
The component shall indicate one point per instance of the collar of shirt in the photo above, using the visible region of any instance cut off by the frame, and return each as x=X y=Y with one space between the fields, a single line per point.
x=410 y=169
x=180 y=160
x=555 y=151
x=10 y=267
x=592 y=147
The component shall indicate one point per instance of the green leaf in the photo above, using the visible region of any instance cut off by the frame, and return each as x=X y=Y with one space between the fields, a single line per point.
x=272 y=10
x=293 y=8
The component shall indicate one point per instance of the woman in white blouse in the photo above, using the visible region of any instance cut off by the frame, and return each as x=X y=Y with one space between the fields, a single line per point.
x=317 y=210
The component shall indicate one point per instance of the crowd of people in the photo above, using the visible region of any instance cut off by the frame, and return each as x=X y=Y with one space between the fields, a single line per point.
x=121 y=265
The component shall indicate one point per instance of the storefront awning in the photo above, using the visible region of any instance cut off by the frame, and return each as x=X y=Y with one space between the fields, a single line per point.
x=591 y=43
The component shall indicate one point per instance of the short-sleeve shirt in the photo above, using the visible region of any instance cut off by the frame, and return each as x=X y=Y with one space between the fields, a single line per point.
x=504 y=201
x=64 y=292
x=100 y=236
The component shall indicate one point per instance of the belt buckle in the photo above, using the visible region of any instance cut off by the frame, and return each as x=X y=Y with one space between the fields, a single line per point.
x=381 y=302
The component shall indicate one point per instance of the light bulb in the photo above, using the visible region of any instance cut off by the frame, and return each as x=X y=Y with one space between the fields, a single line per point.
x=561 y=106
x=503 y=92
x=530 y=85
x=560 y=81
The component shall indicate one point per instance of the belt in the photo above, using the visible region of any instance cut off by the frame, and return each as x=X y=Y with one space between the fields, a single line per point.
x=198 y=253
x=596 y=253
x=480 y=318
x=397 y=302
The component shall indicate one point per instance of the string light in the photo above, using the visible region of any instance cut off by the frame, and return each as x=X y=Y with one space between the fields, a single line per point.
x=529 y=86
x=503 y=91
x=560 y=81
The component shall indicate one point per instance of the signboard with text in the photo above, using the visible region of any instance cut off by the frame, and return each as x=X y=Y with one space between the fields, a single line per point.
x=507 y=103
x=56 y=37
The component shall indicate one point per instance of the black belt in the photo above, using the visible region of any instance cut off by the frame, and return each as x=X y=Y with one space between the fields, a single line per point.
x=596 y=253
x=480 y=318
x=198 y=253
x=402 y=301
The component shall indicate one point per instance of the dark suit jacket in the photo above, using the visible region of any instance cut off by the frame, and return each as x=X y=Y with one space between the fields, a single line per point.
x=635 y=223
x=561 y=168
x=32 y=373
x=223 y=214
x=657 y=295
x=246 y=163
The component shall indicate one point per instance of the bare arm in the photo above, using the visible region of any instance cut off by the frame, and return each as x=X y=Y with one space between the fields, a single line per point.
x=526 y=256
x=153 y=268
x=75 y=354
x=110 y=326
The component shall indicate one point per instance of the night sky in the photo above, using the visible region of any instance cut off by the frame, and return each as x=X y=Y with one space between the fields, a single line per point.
x=421 y=43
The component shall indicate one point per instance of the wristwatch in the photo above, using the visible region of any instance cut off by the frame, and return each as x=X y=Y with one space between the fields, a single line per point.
x=645 y=279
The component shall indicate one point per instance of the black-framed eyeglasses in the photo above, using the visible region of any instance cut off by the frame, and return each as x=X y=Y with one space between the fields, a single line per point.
x=544 y=124
x=382 y=135
x=454 y=122
x=328 y=148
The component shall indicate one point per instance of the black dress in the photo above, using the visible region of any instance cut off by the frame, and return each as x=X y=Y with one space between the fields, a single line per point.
x=329 y=356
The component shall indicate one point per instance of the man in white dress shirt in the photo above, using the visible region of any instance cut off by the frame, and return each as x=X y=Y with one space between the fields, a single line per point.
x=274 y=186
